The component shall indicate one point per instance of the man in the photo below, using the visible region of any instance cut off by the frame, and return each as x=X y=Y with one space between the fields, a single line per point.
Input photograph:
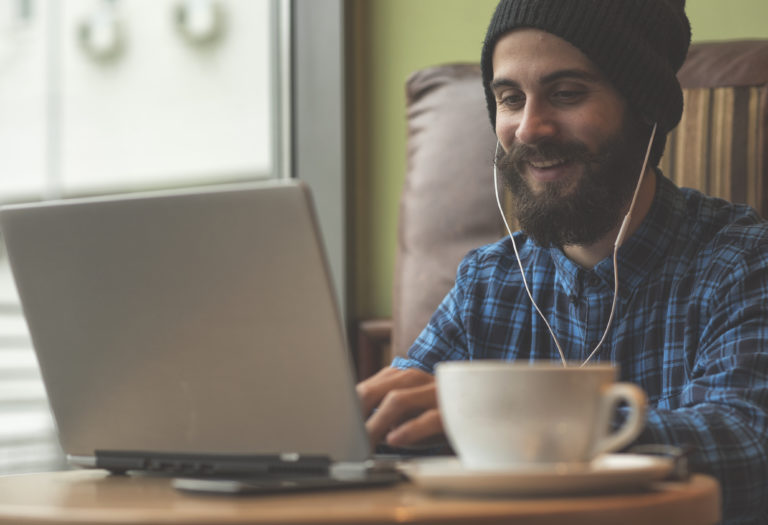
x=576 y=89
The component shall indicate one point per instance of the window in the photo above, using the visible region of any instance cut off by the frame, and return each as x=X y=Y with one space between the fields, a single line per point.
x=103 y=96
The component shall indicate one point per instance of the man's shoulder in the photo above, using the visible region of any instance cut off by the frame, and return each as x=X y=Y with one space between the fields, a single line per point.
x=717 y=220
x=496 y=263
x=501 y=252
x=724 y=231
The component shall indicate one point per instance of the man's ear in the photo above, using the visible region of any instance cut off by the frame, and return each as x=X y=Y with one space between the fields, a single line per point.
x=648 y=120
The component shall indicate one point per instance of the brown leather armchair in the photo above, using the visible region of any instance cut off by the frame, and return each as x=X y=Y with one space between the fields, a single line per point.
x=447 y=205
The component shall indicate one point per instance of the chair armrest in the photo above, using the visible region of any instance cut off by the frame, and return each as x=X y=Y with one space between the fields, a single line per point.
x=374 y=339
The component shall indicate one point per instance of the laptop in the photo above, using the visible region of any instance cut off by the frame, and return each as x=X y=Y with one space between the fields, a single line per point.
x=191 y=332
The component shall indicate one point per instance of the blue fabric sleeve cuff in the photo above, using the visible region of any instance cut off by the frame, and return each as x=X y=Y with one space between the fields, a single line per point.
x=403 y=363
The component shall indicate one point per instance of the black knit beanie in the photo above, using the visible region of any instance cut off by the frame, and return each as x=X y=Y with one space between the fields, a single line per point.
x=639 y=45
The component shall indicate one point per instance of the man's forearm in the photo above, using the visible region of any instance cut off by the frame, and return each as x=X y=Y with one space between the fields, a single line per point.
x=728 y=443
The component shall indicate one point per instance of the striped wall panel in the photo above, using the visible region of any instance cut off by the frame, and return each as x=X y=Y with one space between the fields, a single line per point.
x=719 y=146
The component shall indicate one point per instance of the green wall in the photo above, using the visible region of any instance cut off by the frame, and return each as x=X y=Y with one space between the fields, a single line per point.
x=401 y=36
x=727 y=19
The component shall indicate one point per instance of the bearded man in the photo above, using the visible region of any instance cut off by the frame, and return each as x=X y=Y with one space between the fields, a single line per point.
x=581 y=95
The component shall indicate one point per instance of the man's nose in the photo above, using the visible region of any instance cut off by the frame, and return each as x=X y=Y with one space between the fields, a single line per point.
x=536 y=123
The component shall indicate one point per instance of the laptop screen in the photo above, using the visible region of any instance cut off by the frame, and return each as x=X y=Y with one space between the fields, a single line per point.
x=191 y=321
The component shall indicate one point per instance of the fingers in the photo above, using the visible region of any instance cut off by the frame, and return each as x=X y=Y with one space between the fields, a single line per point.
x=421 y=429
x=407 y=407
x=372 y=391
x=403 y=416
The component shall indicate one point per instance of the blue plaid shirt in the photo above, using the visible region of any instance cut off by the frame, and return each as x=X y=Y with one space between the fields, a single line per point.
x=691 y=328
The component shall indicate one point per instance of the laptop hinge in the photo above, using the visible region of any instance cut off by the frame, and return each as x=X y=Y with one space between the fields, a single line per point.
x=121 y=461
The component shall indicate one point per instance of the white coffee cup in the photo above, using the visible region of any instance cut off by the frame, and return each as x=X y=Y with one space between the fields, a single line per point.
x=502 y=415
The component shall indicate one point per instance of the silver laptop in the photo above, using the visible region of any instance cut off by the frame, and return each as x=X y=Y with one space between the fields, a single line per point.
x=190 y=331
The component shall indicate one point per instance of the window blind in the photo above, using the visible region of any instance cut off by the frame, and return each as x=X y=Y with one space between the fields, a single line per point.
x=28 y=440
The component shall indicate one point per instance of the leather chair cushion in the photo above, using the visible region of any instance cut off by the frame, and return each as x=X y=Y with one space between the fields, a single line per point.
x=442 y=216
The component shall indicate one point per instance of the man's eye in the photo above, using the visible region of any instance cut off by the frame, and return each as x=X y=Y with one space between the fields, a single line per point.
x=512 y=101
x=568 y=96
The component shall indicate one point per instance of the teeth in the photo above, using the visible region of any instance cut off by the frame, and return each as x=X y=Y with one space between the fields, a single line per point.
x=543 y=164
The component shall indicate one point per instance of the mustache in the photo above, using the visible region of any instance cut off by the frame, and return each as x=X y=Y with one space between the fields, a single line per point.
x=520 y=154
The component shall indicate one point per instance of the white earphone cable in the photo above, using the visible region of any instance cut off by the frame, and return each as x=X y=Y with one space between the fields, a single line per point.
x=519 y=263
x=617 y=243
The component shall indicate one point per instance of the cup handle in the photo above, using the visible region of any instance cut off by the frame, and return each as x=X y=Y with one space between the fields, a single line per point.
x=634 y=396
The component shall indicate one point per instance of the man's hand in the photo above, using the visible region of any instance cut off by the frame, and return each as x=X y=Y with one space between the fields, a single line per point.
x=406 y=407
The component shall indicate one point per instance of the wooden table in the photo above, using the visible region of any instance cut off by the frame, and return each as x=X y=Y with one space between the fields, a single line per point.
x=89 y=497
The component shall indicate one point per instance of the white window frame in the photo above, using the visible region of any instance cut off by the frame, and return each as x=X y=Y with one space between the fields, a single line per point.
x=319 y=123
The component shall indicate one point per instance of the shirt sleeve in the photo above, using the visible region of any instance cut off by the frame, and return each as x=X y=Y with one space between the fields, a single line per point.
x=444 y=338
x=723 y=406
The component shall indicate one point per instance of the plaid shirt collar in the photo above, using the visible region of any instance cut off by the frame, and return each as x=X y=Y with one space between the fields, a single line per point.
x=639 y=254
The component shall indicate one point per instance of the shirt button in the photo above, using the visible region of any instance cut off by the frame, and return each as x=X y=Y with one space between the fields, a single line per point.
x=593 y=280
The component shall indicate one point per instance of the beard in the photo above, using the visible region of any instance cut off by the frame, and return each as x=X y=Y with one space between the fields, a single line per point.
x=577 y=212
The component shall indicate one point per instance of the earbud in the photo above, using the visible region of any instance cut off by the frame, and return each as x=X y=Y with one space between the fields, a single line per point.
x=648 y=120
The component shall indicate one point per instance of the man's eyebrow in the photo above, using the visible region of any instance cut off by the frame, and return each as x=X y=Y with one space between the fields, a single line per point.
x=503 y=82
x=576 y=74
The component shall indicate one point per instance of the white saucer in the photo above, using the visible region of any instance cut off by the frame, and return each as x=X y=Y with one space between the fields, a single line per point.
x=607 y=473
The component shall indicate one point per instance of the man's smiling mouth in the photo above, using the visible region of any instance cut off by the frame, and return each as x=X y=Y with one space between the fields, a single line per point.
x=546 y=164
